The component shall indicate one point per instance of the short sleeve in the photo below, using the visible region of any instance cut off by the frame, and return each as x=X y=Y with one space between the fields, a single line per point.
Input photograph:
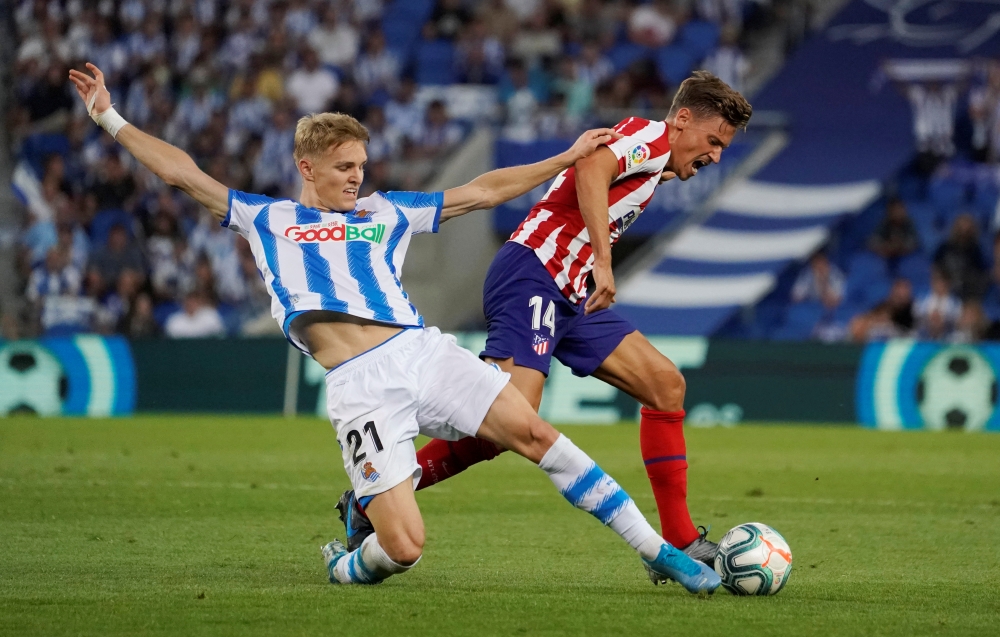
x=422 y=210
x=634 y=156
x=243 y=208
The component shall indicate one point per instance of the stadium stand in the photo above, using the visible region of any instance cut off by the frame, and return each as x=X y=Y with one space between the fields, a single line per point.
x=105 y=247
x=732 y=273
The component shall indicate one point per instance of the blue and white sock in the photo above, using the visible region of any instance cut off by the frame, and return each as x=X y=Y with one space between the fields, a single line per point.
x=587 y=487
x=368 y=564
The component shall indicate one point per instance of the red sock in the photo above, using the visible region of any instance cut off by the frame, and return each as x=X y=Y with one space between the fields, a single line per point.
x=441 y=459
x=661 y=438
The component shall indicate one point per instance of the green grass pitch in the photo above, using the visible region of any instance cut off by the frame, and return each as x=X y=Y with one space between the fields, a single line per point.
x=212 y=526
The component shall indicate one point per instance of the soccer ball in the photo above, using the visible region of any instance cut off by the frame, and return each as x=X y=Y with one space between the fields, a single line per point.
x=957 y=390
x=753 y=559
x=31 y=380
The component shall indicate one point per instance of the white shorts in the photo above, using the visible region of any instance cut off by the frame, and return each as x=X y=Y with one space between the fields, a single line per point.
x=419 y=381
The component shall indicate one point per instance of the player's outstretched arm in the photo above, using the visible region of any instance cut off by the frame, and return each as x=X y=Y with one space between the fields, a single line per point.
x=169 y=163
x=497 y=186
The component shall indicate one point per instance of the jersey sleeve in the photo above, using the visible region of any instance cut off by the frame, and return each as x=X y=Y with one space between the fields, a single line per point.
x=635 y=156
x=422 y=210
x=243 y=208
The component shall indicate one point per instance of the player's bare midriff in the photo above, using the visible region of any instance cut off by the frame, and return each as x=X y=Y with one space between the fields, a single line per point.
x=334 y=337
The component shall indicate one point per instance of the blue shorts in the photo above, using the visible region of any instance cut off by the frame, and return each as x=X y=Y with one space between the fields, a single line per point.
x=528 y=318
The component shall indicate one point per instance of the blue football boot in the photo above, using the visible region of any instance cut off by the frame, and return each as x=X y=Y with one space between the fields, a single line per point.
x=674 y=565
x=358 y=525
x=332 y=553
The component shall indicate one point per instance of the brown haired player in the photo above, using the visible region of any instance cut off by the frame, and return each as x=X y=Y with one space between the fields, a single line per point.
x=536 y=304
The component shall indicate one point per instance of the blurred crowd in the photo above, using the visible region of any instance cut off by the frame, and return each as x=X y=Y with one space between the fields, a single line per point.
x=107 y=247
x=906 y=285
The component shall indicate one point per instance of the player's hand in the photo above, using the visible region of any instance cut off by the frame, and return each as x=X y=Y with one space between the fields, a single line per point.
x=604 y=290
x=590 y=141
x=91 y=90
x=666 y=176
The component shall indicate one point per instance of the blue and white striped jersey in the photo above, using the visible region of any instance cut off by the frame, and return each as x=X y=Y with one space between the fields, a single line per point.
x=345 y=262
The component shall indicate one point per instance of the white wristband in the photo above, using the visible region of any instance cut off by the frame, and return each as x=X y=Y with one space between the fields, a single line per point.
x=110 y=121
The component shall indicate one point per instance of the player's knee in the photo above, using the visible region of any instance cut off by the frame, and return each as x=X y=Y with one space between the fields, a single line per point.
x=668 y=388
x=541 y=435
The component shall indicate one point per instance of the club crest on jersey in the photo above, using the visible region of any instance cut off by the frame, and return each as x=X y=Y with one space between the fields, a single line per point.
x=335 y=231
x=541 y=345
x=636 y=155
x=369 y=473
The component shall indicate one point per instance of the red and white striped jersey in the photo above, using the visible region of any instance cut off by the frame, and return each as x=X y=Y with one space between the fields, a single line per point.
x=555 y=229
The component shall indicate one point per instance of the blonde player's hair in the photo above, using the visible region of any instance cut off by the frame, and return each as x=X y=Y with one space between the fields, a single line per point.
x=316 y=133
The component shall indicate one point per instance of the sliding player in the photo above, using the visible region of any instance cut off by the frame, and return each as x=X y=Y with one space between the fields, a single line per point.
x=536 y=304
x=331 y=263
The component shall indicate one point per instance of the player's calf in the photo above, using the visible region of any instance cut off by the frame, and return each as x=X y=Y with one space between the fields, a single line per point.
x=512 y=423
x=370 y=564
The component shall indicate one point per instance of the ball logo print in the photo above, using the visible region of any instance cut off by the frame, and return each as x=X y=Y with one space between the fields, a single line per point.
x=636 y=155
x=753 y=559
x=32 y=380
x=957 y=390
x=904 y=384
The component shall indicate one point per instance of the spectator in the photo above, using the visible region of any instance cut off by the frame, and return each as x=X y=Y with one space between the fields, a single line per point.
x=274 y=168
x=933 y=123
x=821 y=282
x=139 y=322
x=479 y=56
x=438 y=133
x=450 y=18
x=54 y=292
x=895 y=236
x=938 y=311
x=185 y=44
x=973 y=325
x=377 y=69
x=55 y=276
x=350 y=102
x=249 y=115
x=728 y=62
x=300 y=19
x=50 y=97
x=536 y=40
x=403 y=112
x=335 y=39
x=194 y=111
x=961 y=261
x=119 y=253
x=311 y=87
x=592 y=66
x=384 y=140
x=522 y=106
x=115 y=185
x=196 y=319
x=892 y=318
x=984 y=106
x=652 y=25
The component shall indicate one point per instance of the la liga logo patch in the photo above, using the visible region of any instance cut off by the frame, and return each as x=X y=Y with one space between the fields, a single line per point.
x=636 y=155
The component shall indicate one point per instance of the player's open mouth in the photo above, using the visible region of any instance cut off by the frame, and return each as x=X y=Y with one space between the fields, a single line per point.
x=698 y=163
x=351 y=191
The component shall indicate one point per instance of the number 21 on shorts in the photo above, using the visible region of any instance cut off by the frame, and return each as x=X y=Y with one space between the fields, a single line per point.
x=538 y=319
x=354 y=442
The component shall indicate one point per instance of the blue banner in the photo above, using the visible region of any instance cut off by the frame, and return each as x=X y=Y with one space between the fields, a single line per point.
x=906 y=384
x=85 y=375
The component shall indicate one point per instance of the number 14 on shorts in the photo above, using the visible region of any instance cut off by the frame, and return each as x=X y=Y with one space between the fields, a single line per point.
x=538 y=319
